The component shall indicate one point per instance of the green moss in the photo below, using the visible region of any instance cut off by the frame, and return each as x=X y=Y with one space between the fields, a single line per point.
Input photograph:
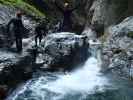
x=130 y=34
x=29 y=9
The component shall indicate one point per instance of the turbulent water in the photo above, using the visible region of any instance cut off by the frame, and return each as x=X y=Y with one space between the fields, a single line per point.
x=84 y=83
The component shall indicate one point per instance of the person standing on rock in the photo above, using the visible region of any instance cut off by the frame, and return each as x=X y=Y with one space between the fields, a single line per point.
x=67 y=12
x=40 y=31
x=17 y=28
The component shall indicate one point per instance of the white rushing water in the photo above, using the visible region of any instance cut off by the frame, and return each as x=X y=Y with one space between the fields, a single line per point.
x=86 y=80
x=83 y=81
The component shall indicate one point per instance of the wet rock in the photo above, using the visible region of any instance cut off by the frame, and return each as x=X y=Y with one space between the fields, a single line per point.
x=15 y=68
x=119 y=48
x=90 y=33
x=65 y=49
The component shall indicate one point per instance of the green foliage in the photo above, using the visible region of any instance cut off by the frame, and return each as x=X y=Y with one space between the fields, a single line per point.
x=130 y=34
x=29 y=9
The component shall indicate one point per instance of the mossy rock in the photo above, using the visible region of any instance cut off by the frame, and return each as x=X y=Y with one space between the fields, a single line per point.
x=21 y=4
x=130 y=34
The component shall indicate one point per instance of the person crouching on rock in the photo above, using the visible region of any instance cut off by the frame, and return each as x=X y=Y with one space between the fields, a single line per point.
x=40 y=31
x=17 y=28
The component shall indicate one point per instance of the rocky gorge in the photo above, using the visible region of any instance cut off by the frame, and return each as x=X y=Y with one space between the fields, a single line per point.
x=15 y=68
x=109 y=21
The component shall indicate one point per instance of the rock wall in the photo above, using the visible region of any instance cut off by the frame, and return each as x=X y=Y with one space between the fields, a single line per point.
x=100 y=14
x=118 y=49
x=109 y=12
x=112 y=19
x=103 y=13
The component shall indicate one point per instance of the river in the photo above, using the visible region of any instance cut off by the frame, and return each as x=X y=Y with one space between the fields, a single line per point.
x=84 y=83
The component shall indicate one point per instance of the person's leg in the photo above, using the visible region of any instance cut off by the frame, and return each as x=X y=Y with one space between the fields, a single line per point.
x=20 y=44
x=40 y=39
x=18 y=36
x=36 y=40
x=17 y=43
x=34 y=52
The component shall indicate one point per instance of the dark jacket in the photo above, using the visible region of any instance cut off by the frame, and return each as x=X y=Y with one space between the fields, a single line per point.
x=67 y=12
x=40 y=30
x=17 y=26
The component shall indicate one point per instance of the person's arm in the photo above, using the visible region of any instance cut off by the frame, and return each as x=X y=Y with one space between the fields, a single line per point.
x=36 y=30
x=61 y=9
x=43 y=30
x=22 y=25
x=75 y=8
x=8 y=25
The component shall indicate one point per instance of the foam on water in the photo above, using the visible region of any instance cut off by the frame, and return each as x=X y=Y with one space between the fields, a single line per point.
x=84 y=79
x=75 y=85
x=87 y=79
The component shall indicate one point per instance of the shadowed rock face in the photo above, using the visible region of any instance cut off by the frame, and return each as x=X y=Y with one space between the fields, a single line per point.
x=97 y=13
x=119 y=48
x=78 y=16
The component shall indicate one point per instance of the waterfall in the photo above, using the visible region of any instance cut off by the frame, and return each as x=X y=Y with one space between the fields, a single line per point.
x=77 y=84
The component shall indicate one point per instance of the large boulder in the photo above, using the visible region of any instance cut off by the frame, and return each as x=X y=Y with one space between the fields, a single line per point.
x=66 y=49
x=118 y=50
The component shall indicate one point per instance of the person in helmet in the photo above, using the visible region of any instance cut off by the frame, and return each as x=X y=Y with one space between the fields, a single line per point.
x=17 y=28
x=67 y=12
